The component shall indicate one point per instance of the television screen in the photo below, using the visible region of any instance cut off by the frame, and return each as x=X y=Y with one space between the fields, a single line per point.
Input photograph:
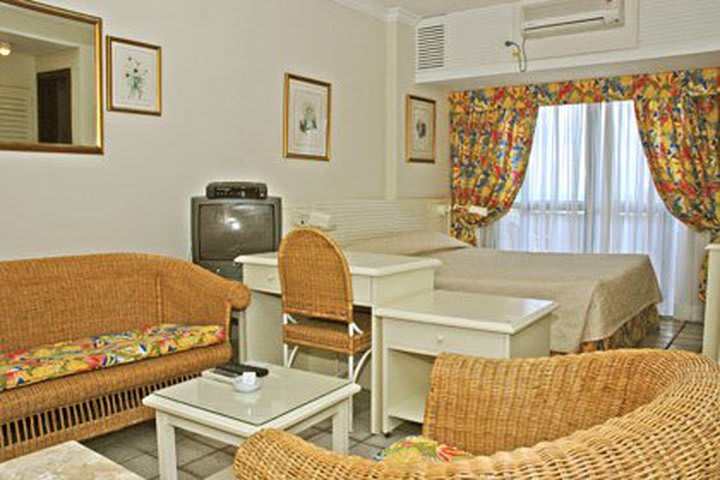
x=228 y=230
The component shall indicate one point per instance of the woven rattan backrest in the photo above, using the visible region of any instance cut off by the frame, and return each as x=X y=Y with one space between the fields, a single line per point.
x=314 y=276
x=56 y=299
x=468 y=402
x=50 y=300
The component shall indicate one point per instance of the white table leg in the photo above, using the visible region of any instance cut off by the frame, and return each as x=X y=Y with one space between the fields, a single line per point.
x=376 y=380
x=167 y=456
x=341 y=428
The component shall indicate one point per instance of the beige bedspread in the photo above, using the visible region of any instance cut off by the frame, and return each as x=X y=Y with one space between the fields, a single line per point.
x=596 y=293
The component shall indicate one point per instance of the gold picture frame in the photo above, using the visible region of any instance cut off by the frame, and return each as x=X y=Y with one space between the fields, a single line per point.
x=123 y=101
x=306 y=118
x=420 y=129
x=97 y=146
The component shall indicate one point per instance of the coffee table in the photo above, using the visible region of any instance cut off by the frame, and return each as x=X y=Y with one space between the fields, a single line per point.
x=67 y=461
x=291 y=400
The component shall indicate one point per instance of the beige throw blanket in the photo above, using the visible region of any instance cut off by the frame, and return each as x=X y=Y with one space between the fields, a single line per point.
x=597 y=293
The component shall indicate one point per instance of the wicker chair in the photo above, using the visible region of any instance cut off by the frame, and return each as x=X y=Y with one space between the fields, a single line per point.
x=317 y=299
x=630 y=414
x=50 y=300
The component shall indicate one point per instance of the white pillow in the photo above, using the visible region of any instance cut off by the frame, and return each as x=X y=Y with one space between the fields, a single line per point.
x=411 y=243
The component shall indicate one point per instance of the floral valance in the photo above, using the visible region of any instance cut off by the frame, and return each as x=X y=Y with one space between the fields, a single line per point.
x=628 y=87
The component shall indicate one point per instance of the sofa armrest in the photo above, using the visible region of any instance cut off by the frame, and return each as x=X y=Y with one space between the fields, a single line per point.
x=191 y=293
x=239 y=296
x=207 y=284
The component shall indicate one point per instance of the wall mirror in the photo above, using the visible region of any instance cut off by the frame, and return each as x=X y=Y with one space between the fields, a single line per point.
x=50 y=79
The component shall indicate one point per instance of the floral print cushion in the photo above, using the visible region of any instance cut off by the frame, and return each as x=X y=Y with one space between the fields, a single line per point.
x=421 y=449
x=45 y=362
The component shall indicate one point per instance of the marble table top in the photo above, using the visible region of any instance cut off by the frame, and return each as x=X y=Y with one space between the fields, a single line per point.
x=67 y=461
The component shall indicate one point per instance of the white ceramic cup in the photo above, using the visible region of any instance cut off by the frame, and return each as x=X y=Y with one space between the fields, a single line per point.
x=247 y=382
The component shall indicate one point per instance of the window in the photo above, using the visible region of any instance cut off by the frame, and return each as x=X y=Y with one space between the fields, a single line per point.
x=588 y=190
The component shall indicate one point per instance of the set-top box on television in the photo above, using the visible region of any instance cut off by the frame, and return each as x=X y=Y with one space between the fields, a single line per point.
x=236 y=190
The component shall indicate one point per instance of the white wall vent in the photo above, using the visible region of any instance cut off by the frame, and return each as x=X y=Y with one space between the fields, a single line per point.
x=15 y=115
x=542 y=18
x=430 y=44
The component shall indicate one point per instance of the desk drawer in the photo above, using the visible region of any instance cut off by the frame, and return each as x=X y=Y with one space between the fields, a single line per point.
x=262 y=278
x=265 y=278
x=432 y=339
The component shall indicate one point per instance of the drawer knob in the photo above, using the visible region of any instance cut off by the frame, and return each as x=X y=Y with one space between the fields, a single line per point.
x=440 y=339
x=271 y=277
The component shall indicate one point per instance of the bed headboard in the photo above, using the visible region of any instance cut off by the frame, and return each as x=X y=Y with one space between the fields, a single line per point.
x=361 y=219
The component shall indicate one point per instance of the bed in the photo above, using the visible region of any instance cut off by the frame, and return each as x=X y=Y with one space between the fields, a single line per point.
x=606 y=301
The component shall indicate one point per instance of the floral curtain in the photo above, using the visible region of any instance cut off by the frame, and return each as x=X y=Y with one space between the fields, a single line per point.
x=681 y=138
x=490 y=147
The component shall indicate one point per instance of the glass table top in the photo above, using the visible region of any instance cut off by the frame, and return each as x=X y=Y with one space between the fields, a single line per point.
x=283 y=390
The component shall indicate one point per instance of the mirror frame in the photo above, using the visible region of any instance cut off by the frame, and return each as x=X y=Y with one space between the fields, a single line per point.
x=96 y=22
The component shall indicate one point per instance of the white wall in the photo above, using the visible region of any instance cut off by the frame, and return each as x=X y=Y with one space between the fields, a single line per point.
x=410 y=180
x=223 y=66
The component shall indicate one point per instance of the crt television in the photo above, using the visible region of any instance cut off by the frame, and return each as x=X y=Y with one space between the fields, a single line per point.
x=223 y=228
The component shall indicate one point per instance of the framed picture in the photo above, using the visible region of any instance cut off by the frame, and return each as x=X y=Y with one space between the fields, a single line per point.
x=420 y=129
x=134 y=71
x=306 y=122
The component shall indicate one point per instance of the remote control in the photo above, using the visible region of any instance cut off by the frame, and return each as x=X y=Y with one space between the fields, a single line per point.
x=240 y=368
x=224 y=373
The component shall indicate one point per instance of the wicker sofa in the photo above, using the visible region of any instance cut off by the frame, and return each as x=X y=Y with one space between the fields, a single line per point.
x=630 y=414
x=51 y=300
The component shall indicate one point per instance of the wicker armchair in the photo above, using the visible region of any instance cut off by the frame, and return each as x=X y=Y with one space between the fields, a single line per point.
x=57 y=299
x=630 y=414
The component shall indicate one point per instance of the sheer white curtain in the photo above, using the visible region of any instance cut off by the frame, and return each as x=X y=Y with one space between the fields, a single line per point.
x=588 y=190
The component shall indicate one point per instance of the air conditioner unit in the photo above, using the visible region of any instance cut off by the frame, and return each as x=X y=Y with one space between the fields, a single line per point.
x=542 y=18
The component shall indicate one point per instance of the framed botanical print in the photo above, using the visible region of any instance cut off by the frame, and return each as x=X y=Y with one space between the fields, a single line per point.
x=306 y=122
x=134 y=71
x=420 y=129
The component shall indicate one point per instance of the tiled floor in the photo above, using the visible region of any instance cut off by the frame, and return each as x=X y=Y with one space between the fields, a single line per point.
x=676 y=335
x=136 y=449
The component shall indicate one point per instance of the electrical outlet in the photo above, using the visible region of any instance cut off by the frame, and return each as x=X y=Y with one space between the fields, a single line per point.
x=321 y=220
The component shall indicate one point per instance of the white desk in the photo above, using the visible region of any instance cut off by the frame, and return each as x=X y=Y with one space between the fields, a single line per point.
x=416 y=329
x=377 y=279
